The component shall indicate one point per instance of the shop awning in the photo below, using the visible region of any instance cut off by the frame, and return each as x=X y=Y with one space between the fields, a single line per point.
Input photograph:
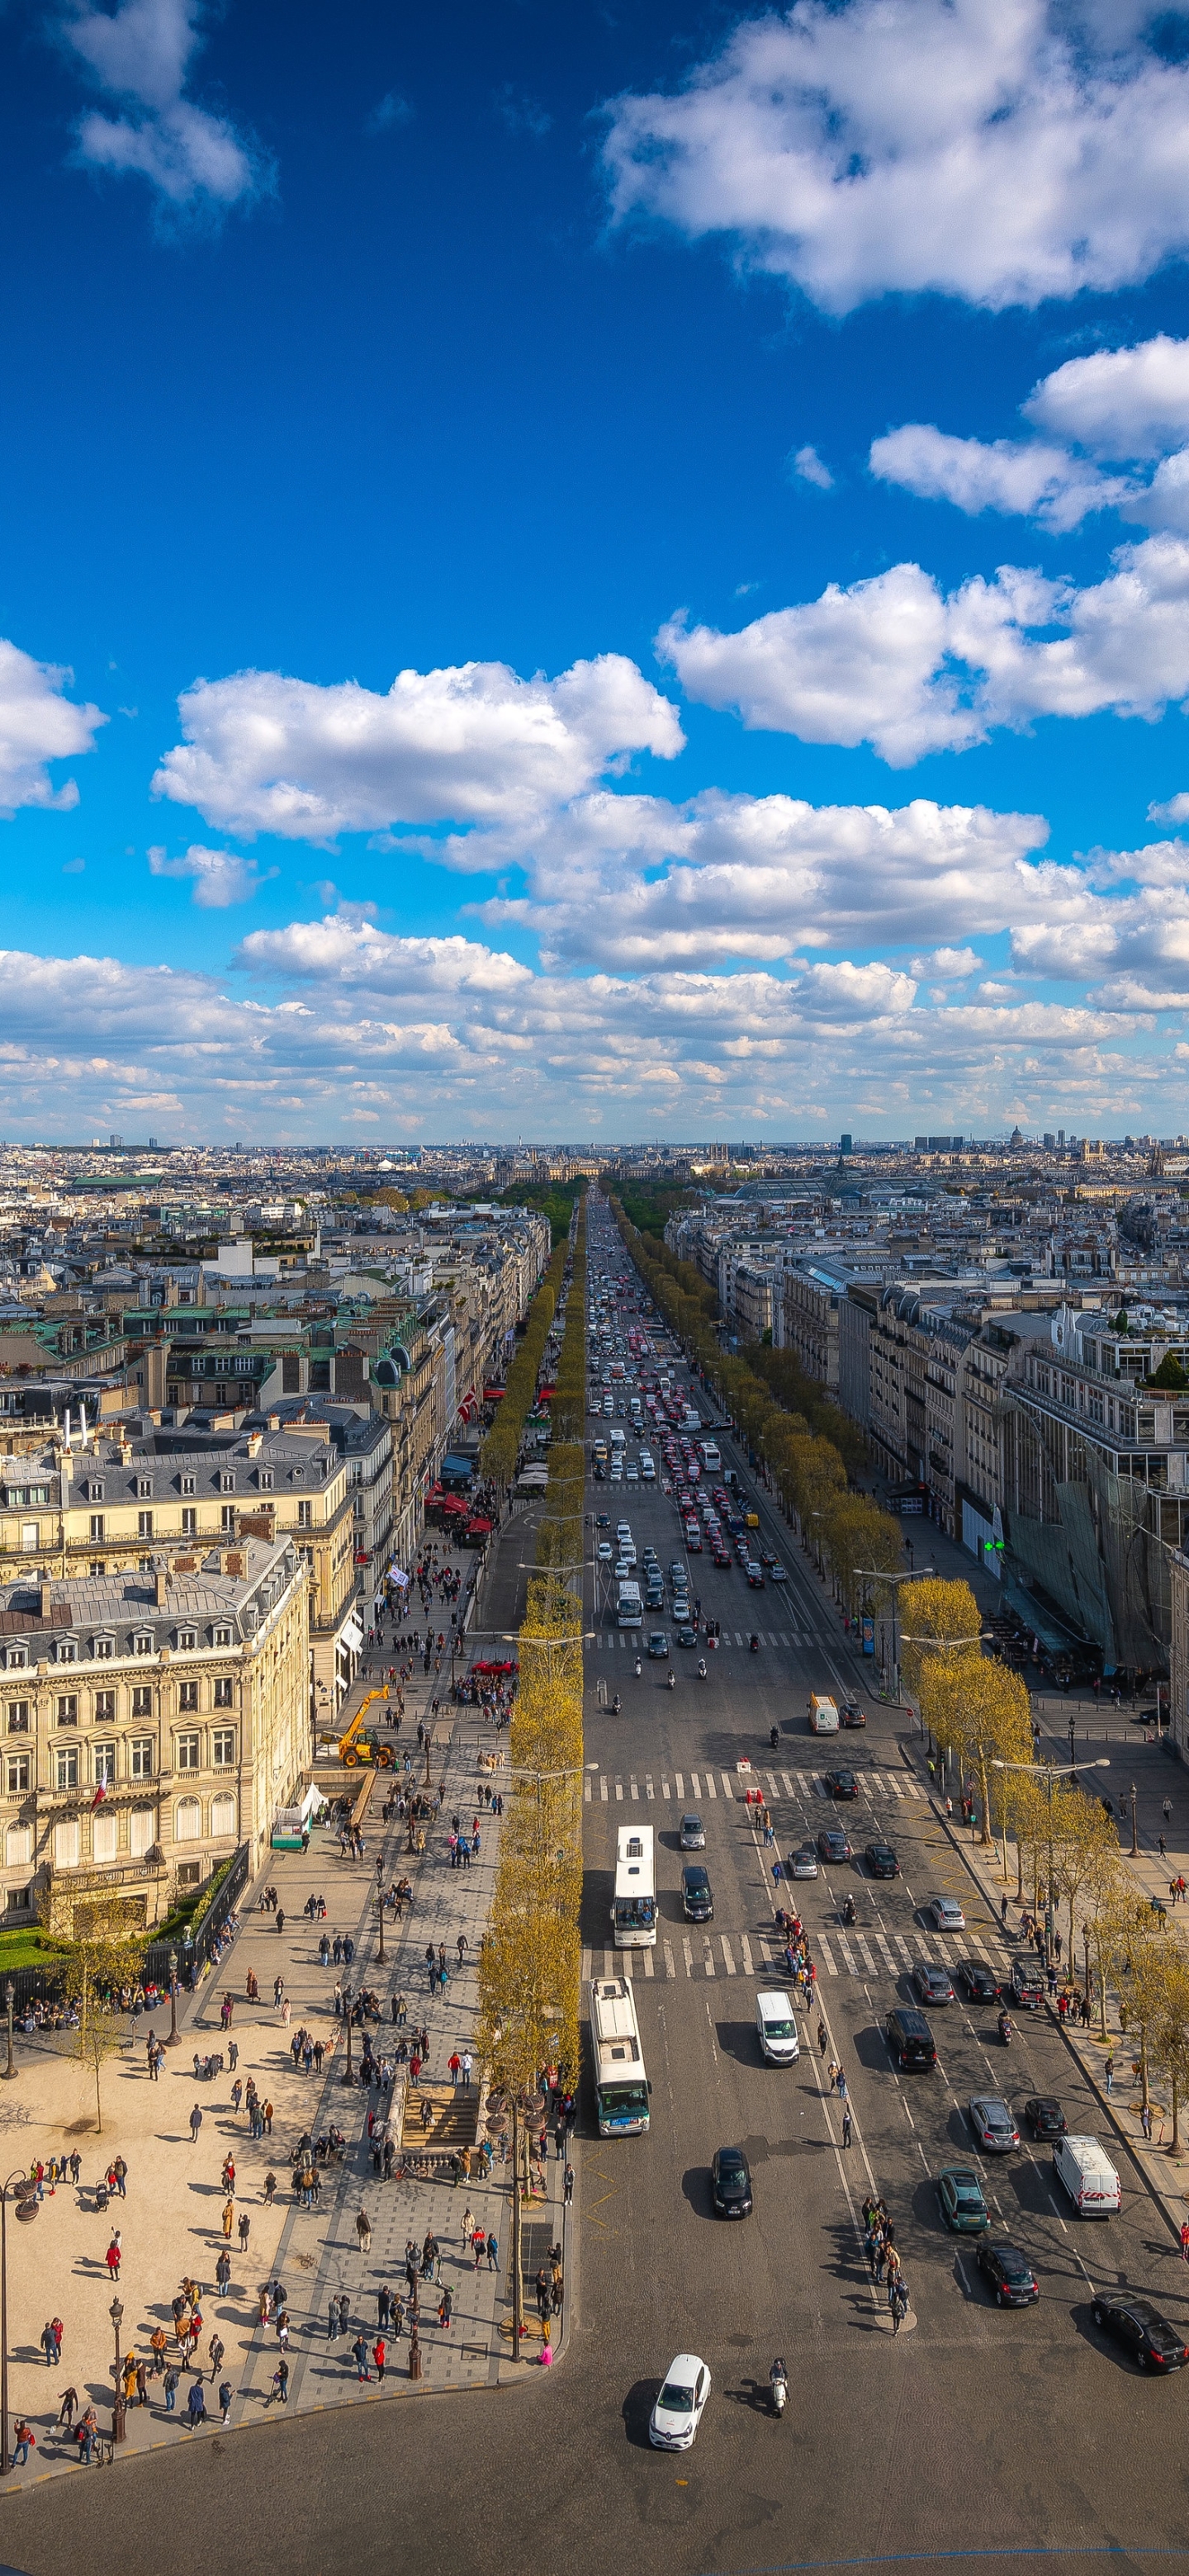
x=352 y=1636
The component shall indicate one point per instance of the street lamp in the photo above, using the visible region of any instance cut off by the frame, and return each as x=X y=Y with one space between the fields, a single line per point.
x=116 y=2313
x=172 y=2040
x=10 y=1996
x=24 y=2193
x=1051 y=1771
x=380 y=1902
x=1134 y=1833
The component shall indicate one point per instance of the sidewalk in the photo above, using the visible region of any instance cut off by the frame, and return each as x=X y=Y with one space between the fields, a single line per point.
x=171 y=2219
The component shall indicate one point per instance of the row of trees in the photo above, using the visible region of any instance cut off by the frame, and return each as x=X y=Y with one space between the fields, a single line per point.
x=530 y=1964
x=852 y=1538
x=501 y=1449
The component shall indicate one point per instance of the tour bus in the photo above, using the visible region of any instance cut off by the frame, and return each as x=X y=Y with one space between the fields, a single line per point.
x=621 y=2085
x=628 y=1607
x=633 y=1914
x=711 y=1457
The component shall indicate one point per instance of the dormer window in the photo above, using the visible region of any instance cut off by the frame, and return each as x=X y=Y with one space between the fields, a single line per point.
x=265 y=1480
x=189 y=1484
x=104 y=1648
x=187 y=1641
x=226 y=1480
x=142 y=1645
x=144 y=1486
x=17 y=1659
x=67 y=1650
x=220 y=1636
x=94 y=1489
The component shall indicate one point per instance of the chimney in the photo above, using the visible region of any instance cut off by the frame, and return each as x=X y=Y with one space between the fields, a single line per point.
x=236 y=1564
x=161 y=1586
x=46 y=1600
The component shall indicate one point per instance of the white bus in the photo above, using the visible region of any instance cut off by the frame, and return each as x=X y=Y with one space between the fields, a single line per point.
x=633 y=1915
x=711 y=1457
x=629 y=1610
x=621 y=2085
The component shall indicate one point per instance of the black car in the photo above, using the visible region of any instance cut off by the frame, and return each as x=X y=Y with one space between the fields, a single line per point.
x=1045 y=2118
x=881 y=1861
x=1152 y=2342
x=978 y=1982
x=1008 y=2272
x=833 y=1845
x=730 y=2183
x=841 y=1784
x=687 y=1636
x=696 y=1896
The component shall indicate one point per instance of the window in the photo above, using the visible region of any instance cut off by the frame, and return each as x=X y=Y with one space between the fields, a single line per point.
x=103 y=1648
x=187 y=1641
x=66 y=1767
x=67 y=1836
x=18 y=1846
x=96 y=1529
x=105 y=1837
x=103 y=1759
x=94 y=1489
x=97 y=1565
x=140 y=1755
x=223 y=1697
x=187 y=1821
x=17 y=1659
x=266 y=1480
x=67 y=1708
x=142 y=1645
x=223 y=1818
x=142 y=1700
x=189 y=1873
x=188 y=1695
x=17 y=1717
x=189 y=1523
x=220 y=1636
x=189 y=1485
x=144 y=1485
x=17 y=1768
x=305 y=1515
x=67 y=1650
x=144 y=1564
x=227 y=1517
x=19 y=1900
x=223 y=1744
x=144 y=1524
x=187 y=1753
x=142 y=1830
x=226 y=1481
x=29 y=1534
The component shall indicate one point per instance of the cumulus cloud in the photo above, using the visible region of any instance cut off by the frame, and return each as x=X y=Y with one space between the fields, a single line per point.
x=263 y=753
x=999 y=154
x=141 y=53
x=1019 y=475
x=348 y=950
x=1119 y=402
x=39 y=725
x=1176 y=810
x=807 y=464
x=947 y=965
x=220 y=877
x=896 y=662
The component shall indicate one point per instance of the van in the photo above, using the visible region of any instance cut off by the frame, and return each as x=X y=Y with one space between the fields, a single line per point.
x=1088 y=2175
x=909 y=2037
x=618 y=1441
x=823 y=1716
x=776 y=2029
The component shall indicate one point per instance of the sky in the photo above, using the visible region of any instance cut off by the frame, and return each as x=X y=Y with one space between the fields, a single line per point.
x=593 y=574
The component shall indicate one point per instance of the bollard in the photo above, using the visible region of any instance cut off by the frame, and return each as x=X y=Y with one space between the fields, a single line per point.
x=415 y=2361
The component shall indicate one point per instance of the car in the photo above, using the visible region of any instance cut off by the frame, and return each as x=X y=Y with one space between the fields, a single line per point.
x=802 y=1863
x=605 y=1551
x=962 y=2205
x=730 y=2183
x=946 y=1913
x=686 y=1636
x=766 y=1558
x=1045 y=2117
x=658 y=1645
x=852 y=1715
x=604 y=1520
x=625 y=1567
x=992 y=2123
x=676 y=1571
x=881 y=1861
x=932 y=1984
x=1027 y=1984
x=677 y=2412
x=776 y=1573
x=841 y=1784
x=692 y=1836
x=979 y=1983
x=833 y=1844
x=697 y=1898
x=1152 y=2342
x=755 y=1575
x=1009 y=2274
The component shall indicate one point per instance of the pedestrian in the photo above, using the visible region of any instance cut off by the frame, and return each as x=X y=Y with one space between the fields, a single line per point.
x=195 y=2123
x=171 y=2390
x=245 y=2230
x=280 y=2384
x=493 y=2251
x=24 y=2441
x=823 y=2037
x=1109 y=2074
x=66 y=2409
x=216 y=2349
x=846 y=2125
x=1185 y=2241
x=225 y=2401
x=568 y=2186
x=196 y=2405
x=112 y=2256
x=379 y=2356
x=363 y=2230
x=228 y=2218
x=359 y=2349
x=1145 y=2121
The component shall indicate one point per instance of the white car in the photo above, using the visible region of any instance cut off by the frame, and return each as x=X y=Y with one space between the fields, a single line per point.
x=678 y=2410
x=605 y=1551
x=776 y=1574
x=946 y=1913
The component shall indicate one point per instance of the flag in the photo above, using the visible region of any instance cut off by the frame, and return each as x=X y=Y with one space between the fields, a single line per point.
x=100 y=1795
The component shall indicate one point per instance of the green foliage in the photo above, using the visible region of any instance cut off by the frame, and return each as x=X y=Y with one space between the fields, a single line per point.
x=1170 y=1374
x=554 y=1199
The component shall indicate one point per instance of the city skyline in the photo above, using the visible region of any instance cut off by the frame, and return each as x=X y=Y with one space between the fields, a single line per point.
x=591 y=580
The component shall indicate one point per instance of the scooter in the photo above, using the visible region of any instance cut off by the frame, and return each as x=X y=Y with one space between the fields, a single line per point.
x=616 y=1706
x=779 y=2386
x=671 y=1684
x=849 y=1911
x=754 y=1644
x=1005 y=2028
x=702 y=1669
x=774 y=1737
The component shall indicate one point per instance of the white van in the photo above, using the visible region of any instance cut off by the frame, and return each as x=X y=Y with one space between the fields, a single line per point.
x=618 y=1440
x=776 y=2029
x=1088 y=2175
x=823 y=1716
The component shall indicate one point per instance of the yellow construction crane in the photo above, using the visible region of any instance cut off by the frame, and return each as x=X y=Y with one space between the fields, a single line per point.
x=356 y=1747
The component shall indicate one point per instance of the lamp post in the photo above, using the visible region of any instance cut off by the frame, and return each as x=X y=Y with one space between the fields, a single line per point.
x=1073 y=1746
x=1051 y=1771
x=10 y=1996
x=118 y=2412
x=1134 y=1832
x=380 y=1902
x=172 y=2040
x=24 y=2193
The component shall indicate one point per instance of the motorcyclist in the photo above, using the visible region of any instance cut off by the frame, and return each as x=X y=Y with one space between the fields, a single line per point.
x=754 y=1643
x=774 y=1737
x=672 y=1681
x=1005 y=2031
x=701 y=1668
x=778 y=2382
x=849 y=1912
x=639 y=1668
x=616 y=1705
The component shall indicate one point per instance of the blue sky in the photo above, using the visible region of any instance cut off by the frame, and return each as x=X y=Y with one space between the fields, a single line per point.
x=648 y=390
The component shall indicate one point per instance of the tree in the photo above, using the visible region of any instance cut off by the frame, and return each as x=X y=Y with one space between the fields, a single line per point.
x=935 y=1613
x=1169 y=2026
x=102 y=1961
x=1084 y=1846
x=977 y=1710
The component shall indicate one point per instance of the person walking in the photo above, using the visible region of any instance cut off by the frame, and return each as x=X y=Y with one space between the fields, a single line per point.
x=380 y=2357
x=846 y=2125
x=196 y=2405
x=1108 y=2074
x=280 y=2384
x=359 y=2351
x=363 y=2230
x=823 y=2037
x=195 y=2123
x=225 y=2401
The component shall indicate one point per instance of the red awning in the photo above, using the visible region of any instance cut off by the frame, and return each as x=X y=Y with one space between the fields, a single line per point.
x=493 y=1394
x=478 y=1529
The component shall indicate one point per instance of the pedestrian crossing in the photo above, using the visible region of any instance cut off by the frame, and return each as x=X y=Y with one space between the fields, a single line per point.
x=775 y=1785
x=867 y=1954
x=631 y=1639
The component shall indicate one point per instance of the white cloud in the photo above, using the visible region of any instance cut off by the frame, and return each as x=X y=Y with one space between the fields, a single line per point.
x=1119 y=402
x=1176 y=810
x=1019 y=475
x=220 y=877
x=346 y=950
x=808 y=465
x=38 y=725
x=894 y=662
x=142 y=53
x=947 y=965
x=263 y=753
x=1000 y=154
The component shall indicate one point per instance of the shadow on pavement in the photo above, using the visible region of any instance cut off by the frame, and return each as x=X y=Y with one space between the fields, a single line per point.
x=637 y=2408
x=695 y=2184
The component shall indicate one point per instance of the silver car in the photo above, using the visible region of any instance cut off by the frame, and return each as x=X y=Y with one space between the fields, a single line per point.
x=803 y=1863
x=693 y=1833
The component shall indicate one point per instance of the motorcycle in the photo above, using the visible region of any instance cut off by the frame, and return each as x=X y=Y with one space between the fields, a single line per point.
x=778 y=2382
x=616 y=1705
x=754 y=1645
x=671 y=1684
x=1005 y=2028
x=850 y=1911
x=639 y=1668
x=774 y=1737
x=702 y=1669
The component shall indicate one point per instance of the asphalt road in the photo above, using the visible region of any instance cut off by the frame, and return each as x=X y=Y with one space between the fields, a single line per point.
x=975 y=2436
